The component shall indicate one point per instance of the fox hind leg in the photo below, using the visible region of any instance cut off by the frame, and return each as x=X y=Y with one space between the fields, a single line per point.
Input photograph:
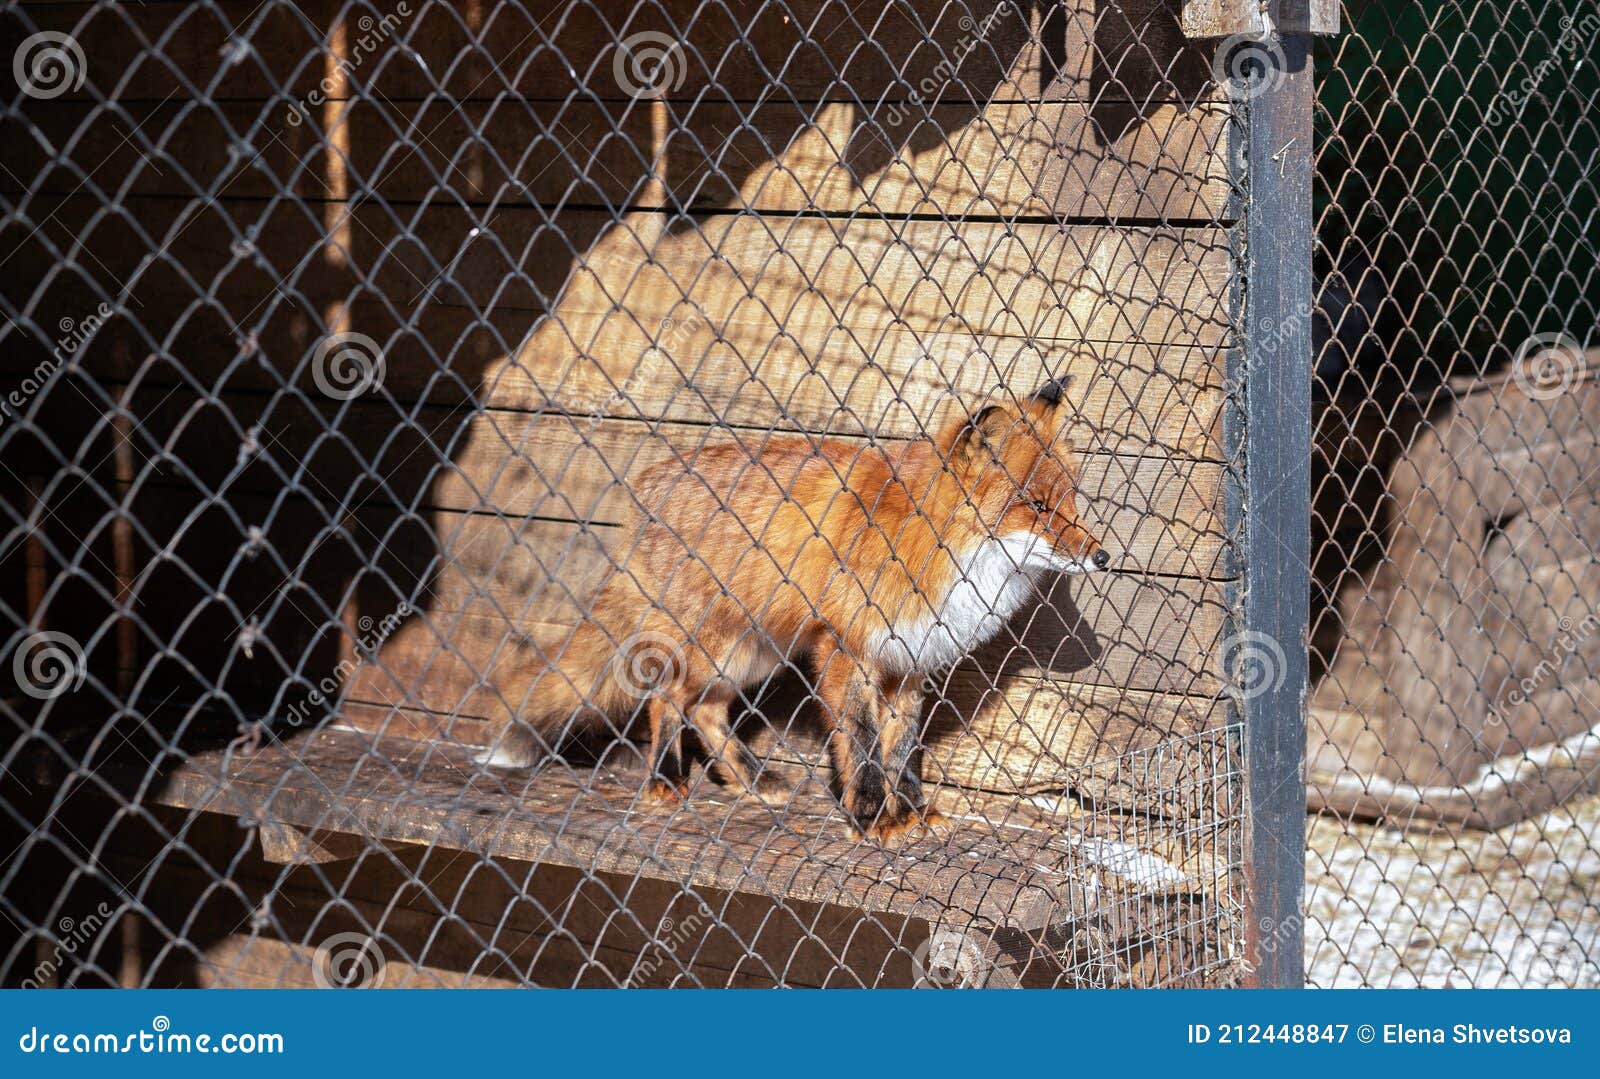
x=669 y=770
x=733 y=763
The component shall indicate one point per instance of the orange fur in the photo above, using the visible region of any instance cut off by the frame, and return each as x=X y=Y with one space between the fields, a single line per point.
x=748 y=557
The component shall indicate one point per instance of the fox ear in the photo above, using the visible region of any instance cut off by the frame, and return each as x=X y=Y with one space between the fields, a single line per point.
x=1052 y=392
x=974 y=441
x=1044 y=407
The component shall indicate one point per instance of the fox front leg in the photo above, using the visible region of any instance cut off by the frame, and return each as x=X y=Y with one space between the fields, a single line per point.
x=901 y=724
x=850 y=713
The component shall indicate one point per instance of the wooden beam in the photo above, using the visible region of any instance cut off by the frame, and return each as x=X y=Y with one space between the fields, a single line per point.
x=1226 y=18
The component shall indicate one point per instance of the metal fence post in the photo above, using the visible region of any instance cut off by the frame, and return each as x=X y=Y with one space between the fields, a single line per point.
x=1277 y=502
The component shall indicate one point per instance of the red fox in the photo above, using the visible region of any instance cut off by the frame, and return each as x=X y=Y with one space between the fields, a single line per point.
x=882 y=564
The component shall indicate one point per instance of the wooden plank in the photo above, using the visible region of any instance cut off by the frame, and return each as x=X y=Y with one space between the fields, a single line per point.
x=425 y=949
x=987 y=873
x=253 y=961
x=573 y=822
x=1225 y=18
x=608 y=285
x=1065 y=160
x=430 y=935
x=1090 y=50
x=787 y=941
x=439 y=918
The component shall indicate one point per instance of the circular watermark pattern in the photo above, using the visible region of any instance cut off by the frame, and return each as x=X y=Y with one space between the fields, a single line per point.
x=161 y=1024
x=347 y=365
x=649 y=64
x=49 y=64
x=646 y=662
x=950 y=961
x=48 y=664
x=348 y=961
x=1258 y=661
x=1546 y=365
x=1255 y=62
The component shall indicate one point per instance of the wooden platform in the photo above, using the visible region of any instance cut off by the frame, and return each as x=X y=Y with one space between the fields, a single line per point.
x=1026 y=885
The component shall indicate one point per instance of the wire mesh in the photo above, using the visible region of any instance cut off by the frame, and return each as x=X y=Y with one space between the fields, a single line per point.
x=522 y=493
x=1453 y=750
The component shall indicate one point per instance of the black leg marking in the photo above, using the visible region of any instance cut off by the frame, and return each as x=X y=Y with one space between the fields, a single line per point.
x=905 y=765
x=869 y=786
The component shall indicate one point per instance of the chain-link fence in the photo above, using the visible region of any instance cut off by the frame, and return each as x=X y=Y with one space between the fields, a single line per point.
x=537 y=493
x=692 y=493
x=1453 y=749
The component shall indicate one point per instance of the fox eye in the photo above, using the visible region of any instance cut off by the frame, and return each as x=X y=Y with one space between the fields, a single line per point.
x=1042 y=508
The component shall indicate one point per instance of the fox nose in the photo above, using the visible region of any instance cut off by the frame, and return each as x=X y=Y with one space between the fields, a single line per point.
x=1101 y=558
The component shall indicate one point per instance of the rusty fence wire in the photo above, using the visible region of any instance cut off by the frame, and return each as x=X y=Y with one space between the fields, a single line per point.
x=699 y=493
x=1453 y=748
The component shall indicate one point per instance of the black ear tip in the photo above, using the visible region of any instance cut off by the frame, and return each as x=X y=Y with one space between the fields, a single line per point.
x=1051 y=392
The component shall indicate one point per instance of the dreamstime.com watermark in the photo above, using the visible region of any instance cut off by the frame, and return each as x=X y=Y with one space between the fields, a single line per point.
x=1271 y=335
x=159 y=1038
x=49 y=64
x=973 y=34
x=1255 y=62
x=1570 y=637
x=347 y=365
x=1568 y=52
x=670 y=936
x=1273 y=935
x=645 y=662
x=1547 y=364
x=950 y=961
x=649 y=64
x=348 y=961
x=73 y=935
x=47 y=664
x=1256 y=662
x=75 y=333
x=372 y=635
x=374 y=33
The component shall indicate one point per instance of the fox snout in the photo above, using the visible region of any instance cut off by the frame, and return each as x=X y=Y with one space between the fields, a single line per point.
x=1081 y=552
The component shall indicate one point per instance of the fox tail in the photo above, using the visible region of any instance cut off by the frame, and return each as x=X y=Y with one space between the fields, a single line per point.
x=582 y=682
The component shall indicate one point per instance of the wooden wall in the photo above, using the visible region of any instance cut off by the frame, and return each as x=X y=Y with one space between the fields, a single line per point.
x=568 y=285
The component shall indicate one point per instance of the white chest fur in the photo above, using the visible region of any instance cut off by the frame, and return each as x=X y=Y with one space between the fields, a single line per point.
x=992 y=582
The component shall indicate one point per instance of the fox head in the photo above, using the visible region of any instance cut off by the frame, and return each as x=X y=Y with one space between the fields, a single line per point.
x=1018 y=477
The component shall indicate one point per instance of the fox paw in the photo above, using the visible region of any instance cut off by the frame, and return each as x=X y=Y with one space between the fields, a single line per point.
x=907 y=827
x=662 y=792
x=766 y=789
